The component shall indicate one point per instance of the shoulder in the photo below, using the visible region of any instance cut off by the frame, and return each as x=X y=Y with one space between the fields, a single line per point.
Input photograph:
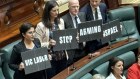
x=81 y=14
x=18 y=46
x=40 y=25
x=103 y=5
x=111 y=76
x=61 y=20
x=85 y=8
x=133 y=67
x=65 y=17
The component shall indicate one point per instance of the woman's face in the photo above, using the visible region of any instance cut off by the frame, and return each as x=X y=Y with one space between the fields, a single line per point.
x=29 y=35
x=54 y=12
x=118 y=68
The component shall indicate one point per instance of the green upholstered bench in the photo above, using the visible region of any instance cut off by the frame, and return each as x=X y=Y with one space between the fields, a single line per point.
x=1 y=63
x=126 y=15
x=7 y=50
x=128 y=56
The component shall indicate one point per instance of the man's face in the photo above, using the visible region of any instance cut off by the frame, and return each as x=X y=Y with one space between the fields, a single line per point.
x=74 y=8
x=95 y=3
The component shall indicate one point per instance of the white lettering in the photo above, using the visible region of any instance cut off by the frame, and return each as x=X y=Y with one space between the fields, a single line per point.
x=65 y=39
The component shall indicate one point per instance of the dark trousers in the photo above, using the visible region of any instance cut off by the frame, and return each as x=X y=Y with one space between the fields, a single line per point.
x=56 y=67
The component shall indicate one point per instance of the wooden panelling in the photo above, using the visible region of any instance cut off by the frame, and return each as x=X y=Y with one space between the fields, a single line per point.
x=16 y=13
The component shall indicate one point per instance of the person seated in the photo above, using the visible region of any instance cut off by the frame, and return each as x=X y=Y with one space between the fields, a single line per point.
x=98 y=76
x=134 y=71
x=116 y=68
x=28 y=43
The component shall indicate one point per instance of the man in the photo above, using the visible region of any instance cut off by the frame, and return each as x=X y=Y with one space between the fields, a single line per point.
x=91 y=8
x=95 y=10
x=71 y=20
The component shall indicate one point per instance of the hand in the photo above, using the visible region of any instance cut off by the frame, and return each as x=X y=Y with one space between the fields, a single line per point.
x=52 y=42
x=77 y=37
x=21 y=66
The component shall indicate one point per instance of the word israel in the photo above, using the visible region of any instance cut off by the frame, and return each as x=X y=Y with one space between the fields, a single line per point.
x=90 y=30
x=36 y=60
x=110 y=31
x=65 y=39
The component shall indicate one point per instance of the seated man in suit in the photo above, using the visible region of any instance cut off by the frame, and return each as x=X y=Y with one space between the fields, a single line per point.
x=71 y=20
x=94 y=10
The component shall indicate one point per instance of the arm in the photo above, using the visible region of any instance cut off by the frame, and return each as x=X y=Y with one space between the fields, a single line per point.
x=14 y=59
x=41 y=35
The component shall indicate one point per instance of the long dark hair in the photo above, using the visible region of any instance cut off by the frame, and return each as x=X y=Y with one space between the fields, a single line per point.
x=112 y=62
x=46 y=14
x=24 y=28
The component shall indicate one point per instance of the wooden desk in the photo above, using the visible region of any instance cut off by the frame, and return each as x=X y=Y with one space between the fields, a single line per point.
x=85 y=60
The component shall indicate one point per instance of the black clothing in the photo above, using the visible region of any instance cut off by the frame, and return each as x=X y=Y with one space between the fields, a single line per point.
x=16 y=59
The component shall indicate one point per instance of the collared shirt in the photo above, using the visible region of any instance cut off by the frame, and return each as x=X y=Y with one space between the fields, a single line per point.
x=73 y=20
x=98 y=11
x=111 y=76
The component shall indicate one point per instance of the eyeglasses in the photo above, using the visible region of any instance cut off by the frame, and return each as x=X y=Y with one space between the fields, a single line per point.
x=31 y=32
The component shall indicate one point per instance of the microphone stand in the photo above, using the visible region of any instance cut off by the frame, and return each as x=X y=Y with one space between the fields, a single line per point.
x=126 y=31
x=73 y=66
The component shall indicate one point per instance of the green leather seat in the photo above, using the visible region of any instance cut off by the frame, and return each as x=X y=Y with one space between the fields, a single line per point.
x=7 y=50
x=1 y=64
x=103 y=68
x=126 y=15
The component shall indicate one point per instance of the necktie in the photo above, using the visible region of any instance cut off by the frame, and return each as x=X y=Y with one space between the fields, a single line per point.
x=96 y=14
x=76 y=22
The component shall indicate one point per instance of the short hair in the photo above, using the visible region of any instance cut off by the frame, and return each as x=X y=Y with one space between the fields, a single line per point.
x=98 y=76
x=25 y=27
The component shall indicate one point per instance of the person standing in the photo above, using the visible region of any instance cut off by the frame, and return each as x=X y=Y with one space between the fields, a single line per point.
x=28 y=43
x=44 y=32
x=95 y=10
x=71 y=20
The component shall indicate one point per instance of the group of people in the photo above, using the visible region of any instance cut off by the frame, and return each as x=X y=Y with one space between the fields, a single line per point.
x=42 y=36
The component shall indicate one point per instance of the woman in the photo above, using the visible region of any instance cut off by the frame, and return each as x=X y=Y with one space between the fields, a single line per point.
x=134 y=71
x=44 y=29
x=116 y=68
x=28 y=43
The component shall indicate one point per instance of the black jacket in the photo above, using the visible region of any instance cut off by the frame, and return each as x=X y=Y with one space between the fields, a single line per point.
x=16 y=59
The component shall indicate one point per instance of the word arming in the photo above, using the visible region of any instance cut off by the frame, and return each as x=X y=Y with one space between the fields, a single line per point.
x=90 y=30
x=65 y=39
x=110 y=31
x=36 y=60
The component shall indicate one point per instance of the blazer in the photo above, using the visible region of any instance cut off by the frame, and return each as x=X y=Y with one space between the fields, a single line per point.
x=68 y=19
x=94 y=45
x=16 y=59
x=89 y=14
x=42 y=33
x=74 y=53
x=111 y=76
